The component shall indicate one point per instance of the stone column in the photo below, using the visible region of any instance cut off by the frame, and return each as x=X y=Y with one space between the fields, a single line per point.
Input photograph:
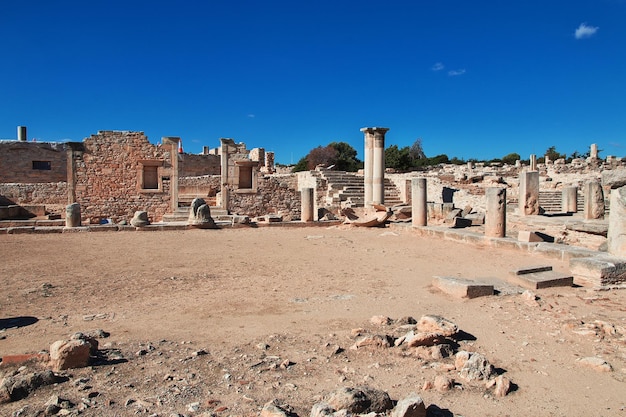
x=173 y=143
x=529 y=193
x=470 y=166
x=374 y=165
x=593 y=151
x=594 y=201
x=495 y=217
x=546 y=159
x=224 y=148
x=21 y=134
x=72 y=215
x=533 y=162
x=419 y=207
x=307 y=209
x=616 y=236
x=569 y=200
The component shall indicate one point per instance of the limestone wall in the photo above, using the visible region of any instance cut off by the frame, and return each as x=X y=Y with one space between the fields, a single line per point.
x=276 y=194
x=52 y=195
x=190 y=165
x=32 y=162
x=109 y=174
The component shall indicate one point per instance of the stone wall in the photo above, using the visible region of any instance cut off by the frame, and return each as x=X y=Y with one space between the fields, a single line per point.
x=52 y=195
x=32 y=162
x=190 y=165
x=276 y=194
x=110 y=174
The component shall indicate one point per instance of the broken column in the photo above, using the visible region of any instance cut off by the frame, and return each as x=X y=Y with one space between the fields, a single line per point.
x=224 y=151
x=21 y=134
x=533 y=162
x=419 y=208
x=569 y=199
x=495 y=218
x=374 y=165
x=72 y=215
x=594 y=201
x=529 y=193
x=616 y=236
x=307 y=209
x=593 y=151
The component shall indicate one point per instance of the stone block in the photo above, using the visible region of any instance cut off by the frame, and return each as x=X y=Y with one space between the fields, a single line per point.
x=528 y=236
x=599 y=270
x=460 y=222
x=540 y=280
x=462 y=288
x=477 y=219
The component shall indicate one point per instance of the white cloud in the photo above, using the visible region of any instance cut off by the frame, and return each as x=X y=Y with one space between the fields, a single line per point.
x=437 y=67
x=251 y=116
x=585 y=31
x=454 y=73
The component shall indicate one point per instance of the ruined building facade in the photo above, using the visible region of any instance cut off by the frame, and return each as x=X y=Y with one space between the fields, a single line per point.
x=112 y=174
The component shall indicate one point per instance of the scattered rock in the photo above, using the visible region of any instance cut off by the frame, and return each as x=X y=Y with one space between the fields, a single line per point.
x=437 y=324
x=503 y=386
x=17 y=387
x=359 y=400
x=380 y=320
x=67 y=354
x=595 y=363
x=412 y=406
x=276 y=408
x=373 y=341
x=443 y=383
x=473 y=366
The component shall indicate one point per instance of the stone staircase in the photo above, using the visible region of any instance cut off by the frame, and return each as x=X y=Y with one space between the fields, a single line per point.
x=551 y=201
x=349 y=188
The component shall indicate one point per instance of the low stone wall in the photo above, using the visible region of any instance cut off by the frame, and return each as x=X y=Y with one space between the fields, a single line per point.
x=51 y=195
x=275 y=194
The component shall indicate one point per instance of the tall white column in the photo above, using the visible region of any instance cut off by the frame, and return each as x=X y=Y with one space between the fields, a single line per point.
x=374 y=165
x=495 y=217
x=418 y=196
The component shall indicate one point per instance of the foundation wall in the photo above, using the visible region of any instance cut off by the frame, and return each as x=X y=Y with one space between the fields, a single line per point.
x=198 y=165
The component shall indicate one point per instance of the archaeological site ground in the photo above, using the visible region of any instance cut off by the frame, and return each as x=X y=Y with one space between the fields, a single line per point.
x=141 y=280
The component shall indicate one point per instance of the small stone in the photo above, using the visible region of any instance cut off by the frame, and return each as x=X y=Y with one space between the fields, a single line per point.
x=140 y=219
x=374 y=341
x=443 y=383
x=503 y=386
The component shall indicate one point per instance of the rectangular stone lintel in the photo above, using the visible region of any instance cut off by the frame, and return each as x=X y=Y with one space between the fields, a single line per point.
x=462 y=288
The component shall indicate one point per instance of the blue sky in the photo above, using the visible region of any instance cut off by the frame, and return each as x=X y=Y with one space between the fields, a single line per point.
x=476 y=79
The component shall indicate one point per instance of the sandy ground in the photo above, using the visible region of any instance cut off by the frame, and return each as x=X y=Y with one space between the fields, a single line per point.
x=252 y=299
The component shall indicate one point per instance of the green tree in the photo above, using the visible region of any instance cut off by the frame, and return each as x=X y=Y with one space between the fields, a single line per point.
x=511 y=158
x=345 y=159
x=399 y=159
x=553 y=154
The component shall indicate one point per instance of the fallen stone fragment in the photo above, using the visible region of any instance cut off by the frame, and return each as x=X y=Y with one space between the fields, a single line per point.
x=412 y=406
x=93 y=342
x=275 y=408
x=373 y=341
x=473 y=366
x=68 y=354
x=140 y=219
x=437 y=324
x=595 y=363
x=359 y=400
x=462 y=288
x=423 y=339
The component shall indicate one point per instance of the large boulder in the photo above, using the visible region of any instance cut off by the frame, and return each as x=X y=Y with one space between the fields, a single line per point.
x=68 y=354
x=359 y=400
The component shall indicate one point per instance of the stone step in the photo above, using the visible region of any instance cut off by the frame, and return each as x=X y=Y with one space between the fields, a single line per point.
x=544 y=279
